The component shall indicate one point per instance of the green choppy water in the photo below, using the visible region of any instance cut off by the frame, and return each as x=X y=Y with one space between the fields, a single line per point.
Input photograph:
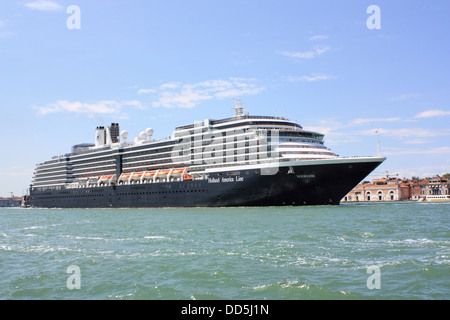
x=228 y=253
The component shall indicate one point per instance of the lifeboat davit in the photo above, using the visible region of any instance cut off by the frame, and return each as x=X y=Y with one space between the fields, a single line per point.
x=148 y=175
x=162 y=174
x=124 y=177
x=92 y=180
x=82 y=182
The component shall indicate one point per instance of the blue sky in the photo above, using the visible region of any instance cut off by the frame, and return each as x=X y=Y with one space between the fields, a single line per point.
x=161 y=64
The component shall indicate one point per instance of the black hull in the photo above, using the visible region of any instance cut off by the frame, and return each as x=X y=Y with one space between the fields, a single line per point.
x=315 y=184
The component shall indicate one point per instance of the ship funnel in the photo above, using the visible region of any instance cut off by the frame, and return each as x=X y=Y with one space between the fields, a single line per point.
x=114 y=132
x=100 y=136
x=108 y=136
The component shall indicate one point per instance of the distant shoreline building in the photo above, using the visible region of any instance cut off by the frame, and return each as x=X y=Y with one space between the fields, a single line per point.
x=395 y=189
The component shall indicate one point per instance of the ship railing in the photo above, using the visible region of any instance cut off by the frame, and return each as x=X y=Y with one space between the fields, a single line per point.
x=245 y=116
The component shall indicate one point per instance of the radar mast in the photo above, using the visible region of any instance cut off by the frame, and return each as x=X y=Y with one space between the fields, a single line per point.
x=238 y=108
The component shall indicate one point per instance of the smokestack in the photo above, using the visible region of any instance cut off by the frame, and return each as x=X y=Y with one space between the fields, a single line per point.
x=100 y=136
x=108 y=136
x=114 y=132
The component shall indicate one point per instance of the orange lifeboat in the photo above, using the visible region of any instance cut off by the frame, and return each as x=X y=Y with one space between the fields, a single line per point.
x=187 y=177
x=136 y=176
x=124 y=177
x=177 y=172
x=104 y=179
x=148 y=175
x=162 y=173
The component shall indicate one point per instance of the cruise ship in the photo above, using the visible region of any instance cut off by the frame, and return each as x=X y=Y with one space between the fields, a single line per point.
x=243 y=160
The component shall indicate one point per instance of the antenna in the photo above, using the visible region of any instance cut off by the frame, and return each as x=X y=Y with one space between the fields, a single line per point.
x=238 y=108
x=378 y=148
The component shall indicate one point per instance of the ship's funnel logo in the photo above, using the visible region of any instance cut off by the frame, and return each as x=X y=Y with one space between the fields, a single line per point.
x=214 y=148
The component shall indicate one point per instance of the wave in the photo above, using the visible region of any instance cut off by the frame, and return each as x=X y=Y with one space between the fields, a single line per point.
x=156 y=237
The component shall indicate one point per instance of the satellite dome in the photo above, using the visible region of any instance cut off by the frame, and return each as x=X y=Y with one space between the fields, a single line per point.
x=149 y=132
x=142 y=135
x=124 y=134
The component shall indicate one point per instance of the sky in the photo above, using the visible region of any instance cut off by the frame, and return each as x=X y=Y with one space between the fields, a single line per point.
x=357 y=73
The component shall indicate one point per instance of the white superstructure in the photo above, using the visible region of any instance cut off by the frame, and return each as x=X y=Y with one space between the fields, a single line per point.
x=192 y=151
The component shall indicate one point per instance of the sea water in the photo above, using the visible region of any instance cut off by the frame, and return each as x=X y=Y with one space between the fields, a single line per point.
x=398 y=250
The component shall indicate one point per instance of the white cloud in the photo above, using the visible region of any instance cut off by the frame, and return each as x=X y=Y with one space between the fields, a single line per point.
x=418 y=141
x=6 y=34
x=44 y=5
x=134 y=103
x=409 y=133
x=317 y=51
x=314 y=77
x=184 y=99
x=424 y=171
x=432 y=114
x=171 y=94
x=318 y=37
x=90 y=109
x=419 y=151
x=361 y=121
x=102 y=107
x=405 y=96
x=344 y=132
x=145 y=91
x=169 y=85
